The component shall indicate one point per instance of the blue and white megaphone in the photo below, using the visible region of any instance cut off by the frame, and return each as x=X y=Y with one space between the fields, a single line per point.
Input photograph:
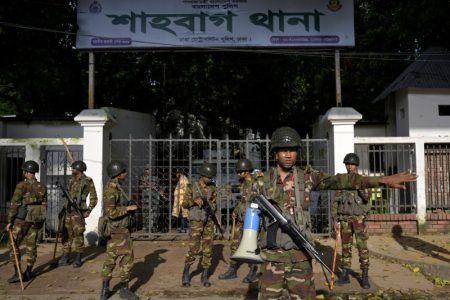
x=248 y=250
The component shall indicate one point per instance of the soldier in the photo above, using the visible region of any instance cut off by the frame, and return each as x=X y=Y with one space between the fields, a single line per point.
x=26 y=217
x=287 y=269
x=80 y=186
x=244 y=168
x=201 y=233
x=120 y=245
x=350 y=209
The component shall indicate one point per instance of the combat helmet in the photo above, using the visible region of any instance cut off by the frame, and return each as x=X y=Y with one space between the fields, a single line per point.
x=285 y=137
x=207 y=170
x=30 y=166
x=243 y=165
x=351 y=159
x=115 y=168
x=79 y=165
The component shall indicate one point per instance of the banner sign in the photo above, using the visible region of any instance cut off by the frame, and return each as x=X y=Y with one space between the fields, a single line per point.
x=212 y=24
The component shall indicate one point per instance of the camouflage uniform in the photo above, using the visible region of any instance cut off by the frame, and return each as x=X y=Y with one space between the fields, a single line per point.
x=201 y=234
x=350 y=208
x=31 y=195
x=120 y=246
x=287 y=268
x=74 y=225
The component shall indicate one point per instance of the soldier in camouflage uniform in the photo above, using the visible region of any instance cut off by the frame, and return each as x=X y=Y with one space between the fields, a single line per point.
x=244 y=168
x=120 y=245
x=80 y=186
x=201 y=233
x=350 y=209
x=287 y=269
x=26 y=217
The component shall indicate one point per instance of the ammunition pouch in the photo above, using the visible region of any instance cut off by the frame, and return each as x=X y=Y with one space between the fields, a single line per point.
x=352 y=204
x=36 y=213
x=197 y=214
x=22 y=212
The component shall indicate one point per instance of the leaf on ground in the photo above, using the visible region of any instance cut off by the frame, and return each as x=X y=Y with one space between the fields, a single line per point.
x=416 y=270
x=321 y=296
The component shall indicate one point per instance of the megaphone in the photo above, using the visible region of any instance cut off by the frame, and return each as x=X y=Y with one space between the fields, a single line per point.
x=248 y=250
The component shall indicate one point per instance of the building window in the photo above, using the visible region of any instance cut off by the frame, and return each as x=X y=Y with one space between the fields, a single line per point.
x=444 y=110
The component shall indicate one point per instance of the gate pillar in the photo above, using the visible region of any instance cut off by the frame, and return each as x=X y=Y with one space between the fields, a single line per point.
x=96 y=125
x=341 y=134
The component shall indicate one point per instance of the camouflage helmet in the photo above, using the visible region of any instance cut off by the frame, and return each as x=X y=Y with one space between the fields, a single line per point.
x=115 y=168
x=79 y=165
x=30 y=166
x=208 y=170
x=351 y=159
x=285 y=137
x=243 y=165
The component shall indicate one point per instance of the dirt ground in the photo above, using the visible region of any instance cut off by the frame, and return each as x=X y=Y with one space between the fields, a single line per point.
x=159 y=264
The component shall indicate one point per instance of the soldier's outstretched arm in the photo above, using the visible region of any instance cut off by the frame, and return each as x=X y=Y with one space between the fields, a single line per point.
x=396 y=180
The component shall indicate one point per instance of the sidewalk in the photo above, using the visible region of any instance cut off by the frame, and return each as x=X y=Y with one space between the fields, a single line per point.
x=158 y=267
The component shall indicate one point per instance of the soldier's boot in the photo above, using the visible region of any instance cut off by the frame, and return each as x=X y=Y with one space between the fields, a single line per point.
x=27 y=275
x=104 y=294
x=343 y=277
x=185 y=280
x=15 y=277
x=204 y=279
x=365 y=279
x=251 y=276
x=77 y=262
x=230 y=273
x=64 y=260
x=126 y=293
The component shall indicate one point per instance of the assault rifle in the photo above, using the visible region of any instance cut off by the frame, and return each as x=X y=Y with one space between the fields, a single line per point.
x=290 y=228
x=72 y=202
x=210 y=213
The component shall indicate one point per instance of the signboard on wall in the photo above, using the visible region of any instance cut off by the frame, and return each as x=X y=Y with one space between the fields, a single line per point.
x=212 y=24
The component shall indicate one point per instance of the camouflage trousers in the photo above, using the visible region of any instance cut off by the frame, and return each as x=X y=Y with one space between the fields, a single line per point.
x=354 y=225
x=200 y=239
x=73 y=233
x=119 y=248
x=287 y=281
x=25 y=231
x=236 y=239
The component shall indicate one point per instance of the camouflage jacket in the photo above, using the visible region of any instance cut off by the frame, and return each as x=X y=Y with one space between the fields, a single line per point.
x=285 y=194
x=80 y=188
x=200 y=190
x=247 y=196
x=115 y=203
x=28 y=192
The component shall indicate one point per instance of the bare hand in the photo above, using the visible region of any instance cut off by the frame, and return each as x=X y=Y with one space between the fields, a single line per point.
x=8 y=226
x=233 y=216
x=396 y=180
x=132 y=207
x=336 y=228
x=199 y=202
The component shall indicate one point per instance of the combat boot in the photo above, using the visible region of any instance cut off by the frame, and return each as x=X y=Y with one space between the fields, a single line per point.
x=104 y=295
x=64 y=260
x=230 y=273
x=126 y=293
x=251 y=276
x=343 y=277
x=15 y=277
x=365 y=279
x=77 y=262
x=185 y=280
x=204 y=279
x=27 y=275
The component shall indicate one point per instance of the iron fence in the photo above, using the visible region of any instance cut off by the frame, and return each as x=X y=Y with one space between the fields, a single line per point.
x=11 y=160
x=437 y=177
x=153 y=164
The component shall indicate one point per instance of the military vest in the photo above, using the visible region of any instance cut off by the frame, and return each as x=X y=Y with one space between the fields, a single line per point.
x=31 y=209
x=352 y=202
x=195 y=212
x=271 y=236
x=122 y=201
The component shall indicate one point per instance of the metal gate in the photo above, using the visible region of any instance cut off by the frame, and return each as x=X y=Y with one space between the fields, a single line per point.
x=153 y=164
x=437 y=177
x=11 y=160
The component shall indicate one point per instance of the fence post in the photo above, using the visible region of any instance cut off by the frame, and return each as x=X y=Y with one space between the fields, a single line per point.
x=96 y=124
x=420 y=184
x=341 y=133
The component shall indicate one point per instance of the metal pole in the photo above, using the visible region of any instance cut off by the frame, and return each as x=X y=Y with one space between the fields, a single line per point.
x=91 y=80
x=337 y=67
